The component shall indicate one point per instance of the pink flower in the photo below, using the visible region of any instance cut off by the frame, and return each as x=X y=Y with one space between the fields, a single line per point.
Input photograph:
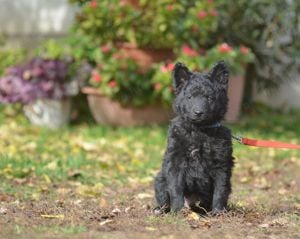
x=157 y=86
x=93 y=4
x=163 y=69
x=96 y=76
x=123 y=2
x=105 y=48
x=210 y=1
x=117 y=56
x=169 y=7
x=170 y=66
x=244 y=50
x=213 y=12
x=202 y=14
x=167 y=68
x=187 y=50
x=112 y=84
x=224 y=48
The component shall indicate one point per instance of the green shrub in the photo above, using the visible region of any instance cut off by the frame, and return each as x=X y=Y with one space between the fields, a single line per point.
x=271 y=29
x=9 y=57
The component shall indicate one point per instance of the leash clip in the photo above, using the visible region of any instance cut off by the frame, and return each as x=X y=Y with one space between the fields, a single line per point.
x=238 y=138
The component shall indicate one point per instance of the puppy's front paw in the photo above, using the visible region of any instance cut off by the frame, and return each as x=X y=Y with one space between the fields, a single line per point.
x=157 y=211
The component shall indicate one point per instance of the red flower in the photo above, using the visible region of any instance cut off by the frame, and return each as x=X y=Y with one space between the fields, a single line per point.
x=224 y=48
x=244 y=50
x=112 y=84
x=163 y=69
x=169 y=7
x=96 y=76
x=170 y=66
x=187 y=50
x=202 y=14
x=105 y=48
x=117 y=56
x=167 y=68
x=157 y=86
x=93 y=4
x=213 y=12
x=123 y=2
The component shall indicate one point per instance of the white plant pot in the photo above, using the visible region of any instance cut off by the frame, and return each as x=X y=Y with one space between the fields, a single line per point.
x=48 y=113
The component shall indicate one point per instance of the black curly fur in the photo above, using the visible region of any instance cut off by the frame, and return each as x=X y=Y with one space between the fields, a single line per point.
x=198 y=160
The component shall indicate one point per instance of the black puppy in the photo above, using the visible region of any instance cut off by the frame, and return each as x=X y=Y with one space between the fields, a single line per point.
x=198 y=160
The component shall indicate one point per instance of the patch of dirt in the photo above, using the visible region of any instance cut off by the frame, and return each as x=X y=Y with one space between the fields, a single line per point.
x=257 y=211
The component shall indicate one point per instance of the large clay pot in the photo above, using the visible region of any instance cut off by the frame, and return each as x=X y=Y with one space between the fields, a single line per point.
x=49 y=113
x=144 y=56
x=235 y=95
x=109 y=112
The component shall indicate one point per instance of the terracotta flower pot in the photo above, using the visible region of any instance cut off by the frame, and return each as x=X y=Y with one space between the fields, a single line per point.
x=235 y=95
x=144 y=56
x=109 y=112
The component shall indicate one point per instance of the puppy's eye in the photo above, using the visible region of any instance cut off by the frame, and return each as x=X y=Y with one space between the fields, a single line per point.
x=189 y=97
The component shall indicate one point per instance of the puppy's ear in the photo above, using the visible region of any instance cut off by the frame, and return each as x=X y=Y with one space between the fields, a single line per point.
x=181 y=74
x=220 y=73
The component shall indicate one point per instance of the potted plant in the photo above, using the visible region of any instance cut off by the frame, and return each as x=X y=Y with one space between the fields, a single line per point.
x=118 y=37
x=202 y=60
x=120 y=92
x=43 y=87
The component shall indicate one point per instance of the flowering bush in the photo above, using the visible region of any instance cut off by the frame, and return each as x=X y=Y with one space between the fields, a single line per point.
x=39 y=78
x=162 y=82
x=187 y=28
x=157 y=24
x=202 y=60
x=121 y=78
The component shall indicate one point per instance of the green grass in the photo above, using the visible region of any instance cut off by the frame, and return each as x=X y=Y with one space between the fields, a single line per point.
x=91 y=162
x=89 y=153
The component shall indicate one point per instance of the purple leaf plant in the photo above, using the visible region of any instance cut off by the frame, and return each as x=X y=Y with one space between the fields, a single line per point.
x=39 y=78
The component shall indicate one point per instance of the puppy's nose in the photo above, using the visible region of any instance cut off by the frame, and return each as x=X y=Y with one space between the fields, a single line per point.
x=198 y=112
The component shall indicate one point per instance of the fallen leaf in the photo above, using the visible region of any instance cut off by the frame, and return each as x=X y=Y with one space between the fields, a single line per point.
x=264 y=225
x=52 y=216
x=90 y=191
x=150 y=228
x=63 y=191
x=193 y=216
x=282 y=191
x=106 y=222
x=279 y=222
x=128 y=209
x=244 y=179
x=116 y=211
x=144 y=195
x=3 y=210
x=102 y=203
x=52 y=165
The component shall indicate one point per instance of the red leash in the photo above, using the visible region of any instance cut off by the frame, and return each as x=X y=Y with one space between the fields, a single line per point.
x=265 y=143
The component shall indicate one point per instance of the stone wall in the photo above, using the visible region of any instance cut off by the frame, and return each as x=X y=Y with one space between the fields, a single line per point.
x=24 y=22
